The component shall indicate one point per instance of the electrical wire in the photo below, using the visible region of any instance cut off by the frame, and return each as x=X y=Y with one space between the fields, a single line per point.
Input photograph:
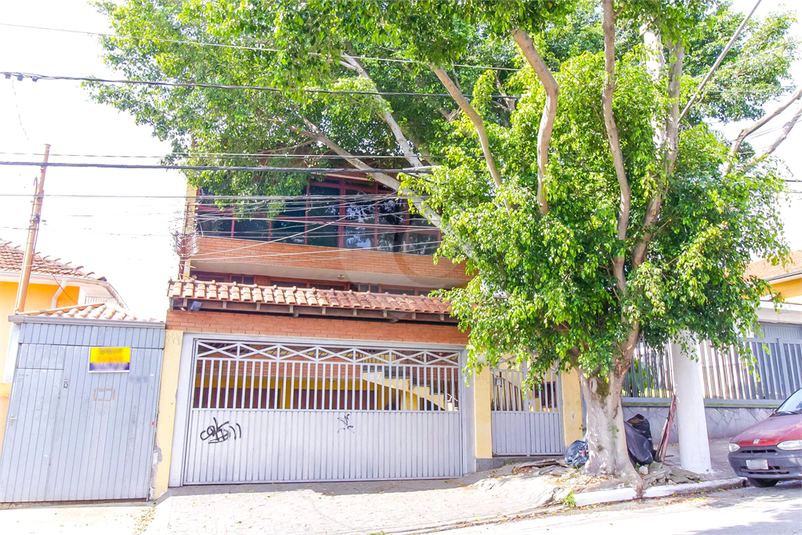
x=315 y=253
x=257 y=169
x=19 y=114
x=245 y=47
x=218 y=155
x=367 y=196
x=36 y=77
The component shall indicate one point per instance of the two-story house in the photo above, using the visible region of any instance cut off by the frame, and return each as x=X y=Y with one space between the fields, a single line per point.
x=304 y=346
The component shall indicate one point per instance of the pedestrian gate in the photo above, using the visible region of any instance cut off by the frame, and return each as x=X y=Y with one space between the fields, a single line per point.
x=265 y=412
x=524 y=420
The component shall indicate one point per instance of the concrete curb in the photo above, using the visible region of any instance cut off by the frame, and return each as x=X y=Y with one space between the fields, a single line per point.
x=693 y=488
x=625 y=494
x=586 y=499
x=457 y=524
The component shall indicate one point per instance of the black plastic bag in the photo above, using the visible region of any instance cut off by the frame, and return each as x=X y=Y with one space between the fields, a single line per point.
x=639 y=440
x=576 y=454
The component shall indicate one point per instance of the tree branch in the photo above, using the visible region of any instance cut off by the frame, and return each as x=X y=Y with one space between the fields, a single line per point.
x=771 y=148
x=653 y=41
x=757 y=125
x=475 y=118
x=674 y=117
x=313 y=132
x=672 y=151
x=608 y=26
x=718 y=61
x=387 y=117
x=531 y=54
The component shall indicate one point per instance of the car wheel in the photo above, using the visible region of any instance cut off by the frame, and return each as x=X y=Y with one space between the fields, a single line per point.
x=761 y=483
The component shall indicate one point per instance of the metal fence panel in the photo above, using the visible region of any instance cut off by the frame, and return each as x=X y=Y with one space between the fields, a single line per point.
x=773 y=373
x=525 y=421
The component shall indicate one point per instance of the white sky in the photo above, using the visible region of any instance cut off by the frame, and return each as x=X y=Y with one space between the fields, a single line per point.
x=126 y=240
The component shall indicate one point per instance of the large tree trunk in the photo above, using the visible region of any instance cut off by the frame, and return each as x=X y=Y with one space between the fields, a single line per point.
x=607 y=443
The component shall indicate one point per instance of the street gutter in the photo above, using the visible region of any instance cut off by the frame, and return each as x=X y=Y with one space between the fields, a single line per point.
x=586 y=499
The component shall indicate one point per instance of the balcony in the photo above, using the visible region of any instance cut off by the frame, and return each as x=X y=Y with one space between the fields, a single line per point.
x=335 y=213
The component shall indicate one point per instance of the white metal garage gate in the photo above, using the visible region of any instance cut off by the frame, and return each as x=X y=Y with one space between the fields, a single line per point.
x=524 y=420
x=268 y=412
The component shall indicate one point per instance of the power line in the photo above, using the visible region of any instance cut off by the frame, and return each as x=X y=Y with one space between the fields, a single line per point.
x=331 y=250
x=287 y=155
x=19 y=114
x=221 y=168
x=367 y=196
x=315 y=253
x=244 y=47
x=36 y=77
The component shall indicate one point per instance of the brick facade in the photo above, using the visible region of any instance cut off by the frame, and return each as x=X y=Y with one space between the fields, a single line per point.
x=212 y=250
x=271 y=325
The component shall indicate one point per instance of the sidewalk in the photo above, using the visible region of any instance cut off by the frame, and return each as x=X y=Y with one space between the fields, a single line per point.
x=330 y=508
x=721 y=468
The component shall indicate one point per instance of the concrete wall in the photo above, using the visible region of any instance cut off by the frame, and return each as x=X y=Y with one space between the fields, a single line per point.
x=173 y=341
x=573 y=421
x=722 y=421
x=249 y=254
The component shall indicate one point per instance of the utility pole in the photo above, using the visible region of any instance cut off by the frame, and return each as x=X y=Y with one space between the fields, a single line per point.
x=30 y=245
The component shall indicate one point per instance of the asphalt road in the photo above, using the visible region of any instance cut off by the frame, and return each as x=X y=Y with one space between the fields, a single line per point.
x=748 y=511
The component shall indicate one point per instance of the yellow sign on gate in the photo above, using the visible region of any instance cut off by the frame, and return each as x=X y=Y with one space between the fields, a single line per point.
x=109 y=359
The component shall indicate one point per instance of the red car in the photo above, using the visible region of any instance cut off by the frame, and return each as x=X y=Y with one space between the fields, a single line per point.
x=771 y=450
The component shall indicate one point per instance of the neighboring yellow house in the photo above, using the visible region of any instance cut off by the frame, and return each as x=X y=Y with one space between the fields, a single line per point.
x=785 y=279
x=53 y=284
x=785 y=321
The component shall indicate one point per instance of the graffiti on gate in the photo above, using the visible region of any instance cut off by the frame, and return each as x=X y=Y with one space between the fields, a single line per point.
x=346 y=421
x=218 y=433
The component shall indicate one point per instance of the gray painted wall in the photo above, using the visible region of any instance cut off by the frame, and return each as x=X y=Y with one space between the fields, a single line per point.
x=781 y=330
x=722 y=422
x=75 y=435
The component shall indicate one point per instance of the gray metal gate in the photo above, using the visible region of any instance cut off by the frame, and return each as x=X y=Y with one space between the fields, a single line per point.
x=75 y=435
x=265 y=412
x=526 y=421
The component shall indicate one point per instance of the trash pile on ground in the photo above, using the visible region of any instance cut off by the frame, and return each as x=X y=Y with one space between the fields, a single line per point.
x=553 y=481
x=542 y=467
x=661 y=474
x=642 y=453
x=639 y=441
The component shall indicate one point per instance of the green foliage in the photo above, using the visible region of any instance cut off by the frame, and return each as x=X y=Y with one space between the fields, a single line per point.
x=544 y=289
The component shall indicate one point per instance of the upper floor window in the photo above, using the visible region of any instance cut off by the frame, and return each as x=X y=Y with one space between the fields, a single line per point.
x=335 y=212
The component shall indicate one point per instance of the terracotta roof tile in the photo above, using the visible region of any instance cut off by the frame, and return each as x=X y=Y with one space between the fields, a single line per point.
x=764 y=270
x=313 y=297
x=11 y=261
x=95 y=311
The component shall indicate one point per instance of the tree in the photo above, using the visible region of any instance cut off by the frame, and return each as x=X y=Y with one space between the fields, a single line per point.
x=591 y=210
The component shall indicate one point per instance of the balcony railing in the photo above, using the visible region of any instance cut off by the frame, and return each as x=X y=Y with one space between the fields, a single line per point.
x=335 y=214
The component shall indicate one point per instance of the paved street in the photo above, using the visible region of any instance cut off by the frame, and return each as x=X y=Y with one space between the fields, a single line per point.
x=409 y=506
x=748 y=511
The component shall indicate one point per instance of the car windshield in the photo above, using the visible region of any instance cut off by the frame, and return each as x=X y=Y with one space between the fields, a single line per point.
x=792 y=405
